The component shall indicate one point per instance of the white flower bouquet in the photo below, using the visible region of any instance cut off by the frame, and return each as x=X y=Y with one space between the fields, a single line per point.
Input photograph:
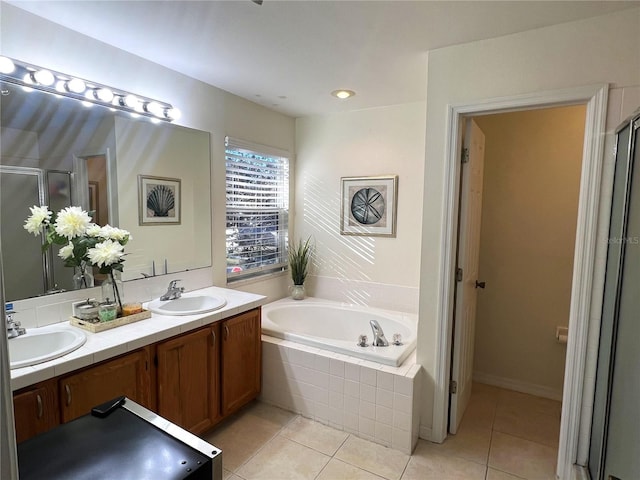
x=82 y=240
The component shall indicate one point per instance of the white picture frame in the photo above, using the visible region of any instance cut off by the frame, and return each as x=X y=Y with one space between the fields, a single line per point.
x=369 y=206
x=159 y=200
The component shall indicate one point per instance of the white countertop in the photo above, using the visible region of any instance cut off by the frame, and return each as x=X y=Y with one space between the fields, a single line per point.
x=117 y=341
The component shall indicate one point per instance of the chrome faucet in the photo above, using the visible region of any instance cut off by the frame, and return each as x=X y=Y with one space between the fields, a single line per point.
x=13 y=326
x=378 y=335
x=173 y=292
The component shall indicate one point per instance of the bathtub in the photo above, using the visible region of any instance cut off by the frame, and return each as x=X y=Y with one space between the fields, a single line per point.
x=336 y=327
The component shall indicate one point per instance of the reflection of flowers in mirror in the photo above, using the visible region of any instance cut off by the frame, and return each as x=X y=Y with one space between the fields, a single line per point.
x=81 y=240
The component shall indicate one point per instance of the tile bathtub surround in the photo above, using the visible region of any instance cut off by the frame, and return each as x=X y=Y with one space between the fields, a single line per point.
x=370 y=400
x=266 y=442
x=371 y=294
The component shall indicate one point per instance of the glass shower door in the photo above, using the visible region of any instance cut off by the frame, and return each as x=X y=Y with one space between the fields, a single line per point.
x=28 y=272
x=24 y=264
x=615 y=435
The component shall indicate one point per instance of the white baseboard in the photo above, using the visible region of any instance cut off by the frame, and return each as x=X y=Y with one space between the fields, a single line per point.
x=518 y=385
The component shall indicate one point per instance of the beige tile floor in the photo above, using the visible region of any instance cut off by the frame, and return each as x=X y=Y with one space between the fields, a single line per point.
x=504 y=435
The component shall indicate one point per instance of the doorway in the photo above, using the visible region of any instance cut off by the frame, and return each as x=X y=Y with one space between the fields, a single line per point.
x=575 y=421
x=519 y=193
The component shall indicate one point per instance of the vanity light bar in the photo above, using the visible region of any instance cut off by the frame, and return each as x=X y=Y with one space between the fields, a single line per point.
x=34 y=77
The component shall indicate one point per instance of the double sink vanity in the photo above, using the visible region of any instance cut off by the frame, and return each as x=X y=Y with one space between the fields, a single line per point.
x=194 y=362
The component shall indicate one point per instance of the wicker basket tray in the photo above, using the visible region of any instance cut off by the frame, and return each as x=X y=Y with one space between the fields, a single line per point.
x=118 y=322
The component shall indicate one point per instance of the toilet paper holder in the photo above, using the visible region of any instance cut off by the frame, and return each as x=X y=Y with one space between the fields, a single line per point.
x=562 y=334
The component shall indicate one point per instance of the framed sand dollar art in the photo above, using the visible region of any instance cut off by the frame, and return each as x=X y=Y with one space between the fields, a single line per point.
x=369 y=206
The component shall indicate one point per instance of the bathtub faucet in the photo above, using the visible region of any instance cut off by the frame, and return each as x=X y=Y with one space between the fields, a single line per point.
x=378 y=335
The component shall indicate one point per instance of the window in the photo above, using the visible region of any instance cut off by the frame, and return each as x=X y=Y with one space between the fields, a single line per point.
x=257 y=209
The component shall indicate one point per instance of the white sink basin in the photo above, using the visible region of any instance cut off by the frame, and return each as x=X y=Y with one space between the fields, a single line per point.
x=37 y=347
x=187 y=305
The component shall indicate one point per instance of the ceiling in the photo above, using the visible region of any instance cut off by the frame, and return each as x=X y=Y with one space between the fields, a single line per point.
x=289 y=55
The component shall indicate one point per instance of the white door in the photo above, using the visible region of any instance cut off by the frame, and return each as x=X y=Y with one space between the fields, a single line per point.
x=467 y=274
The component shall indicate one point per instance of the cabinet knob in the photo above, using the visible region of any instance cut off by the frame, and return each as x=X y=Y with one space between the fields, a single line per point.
x=226 y=332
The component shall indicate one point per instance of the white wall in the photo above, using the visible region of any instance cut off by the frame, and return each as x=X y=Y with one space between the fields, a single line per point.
x=203 y=107
x=580 y=53
x=377 y=271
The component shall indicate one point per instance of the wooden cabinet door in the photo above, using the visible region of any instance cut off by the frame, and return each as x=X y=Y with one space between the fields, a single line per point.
x=241 y=360
x=126 y=375
x=188 y=379
x=36 y=410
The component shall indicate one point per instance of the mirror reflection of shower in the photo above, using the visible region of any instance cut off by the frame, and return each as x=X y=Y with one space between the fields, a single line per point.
x=32 y=272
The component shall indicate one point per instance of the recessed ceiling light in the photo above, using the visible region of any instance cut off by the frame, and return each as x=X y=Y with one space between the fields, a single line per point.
x=343 y=94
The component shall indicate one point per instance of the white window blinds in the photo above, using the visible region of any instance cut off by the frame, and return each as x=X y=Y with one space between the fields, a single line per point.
x=257 y=209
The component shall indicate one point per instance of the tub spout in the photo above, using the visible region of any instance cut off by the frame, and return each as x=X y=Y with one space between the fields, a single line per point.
x=379 y=339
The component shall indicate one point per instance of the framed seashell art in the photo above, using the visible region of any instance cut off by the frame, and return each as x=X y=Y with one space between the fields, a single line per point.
x=158 y=200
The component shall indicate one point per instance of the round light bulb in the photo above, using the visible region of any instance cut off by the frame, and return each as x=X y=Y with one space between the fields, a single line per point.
x=173 y=113
x=103 y=94
x=6 y=65
x=131 y=101
x=155 y=108
x=76 y=85
x=44 y=77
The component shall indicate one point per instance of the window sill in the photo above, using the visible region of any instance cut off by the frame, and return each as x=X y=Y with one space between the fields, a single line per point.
x=256 y=279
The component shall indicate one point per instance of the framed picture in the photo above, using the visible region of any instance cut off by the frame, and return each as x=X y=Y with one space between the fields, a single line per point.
x=369 y=206
x=158 y=200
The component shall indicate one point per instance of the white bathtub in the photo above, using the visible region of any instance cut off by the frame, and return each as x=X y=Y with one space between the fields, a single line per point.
x=336 y=327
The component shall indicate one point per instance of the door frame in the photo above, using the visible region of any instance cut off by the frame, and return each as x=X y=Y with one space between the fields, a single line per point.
x=576 y=411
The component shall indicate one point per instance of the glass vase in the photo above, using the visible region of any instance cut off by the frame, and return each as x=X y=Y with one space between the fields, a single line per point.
x=297 y=292
x=82 y=277
x=113 y=291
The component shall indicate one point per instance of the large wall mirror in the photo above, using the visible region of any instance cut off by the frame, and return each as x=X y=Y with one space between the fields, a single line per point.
x=57 y=151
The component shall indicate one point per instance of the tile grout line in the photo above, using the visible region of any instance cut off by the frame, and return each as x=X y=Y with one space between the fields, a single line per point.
x=234 y=472
x=493 y=422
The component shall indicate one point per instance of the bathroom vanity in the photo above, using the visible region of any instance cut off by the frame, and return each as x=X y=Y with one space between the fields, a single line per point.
x=193 y=370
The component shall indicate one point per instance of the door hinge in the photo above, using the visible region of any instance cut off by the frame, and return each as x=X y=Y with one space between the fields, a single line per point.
x=465 y=155
x=459 y=273
x=453 y=387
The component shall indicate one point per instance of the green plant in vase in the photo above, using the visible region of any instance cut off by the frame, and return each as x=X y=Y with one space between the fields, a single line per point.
x=299 y=260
